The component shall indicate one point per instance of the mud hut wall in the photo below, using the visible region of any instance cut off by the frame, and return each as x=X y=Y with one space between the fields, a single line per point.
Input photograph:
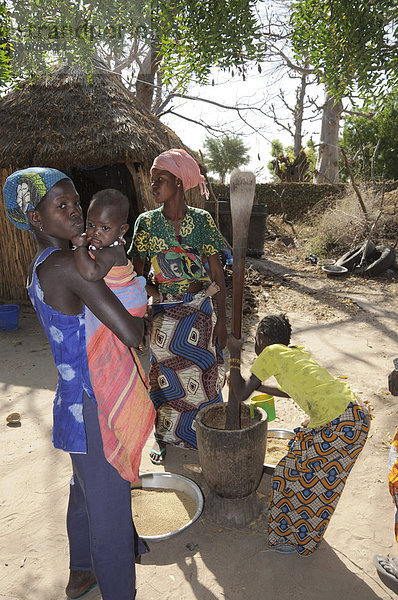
x=17 y=248
x=293 y=199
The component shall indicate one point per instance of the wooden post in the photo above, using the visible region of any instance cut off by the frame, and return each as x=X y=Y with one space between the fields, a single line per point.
x=242 y=188
x=137 y=187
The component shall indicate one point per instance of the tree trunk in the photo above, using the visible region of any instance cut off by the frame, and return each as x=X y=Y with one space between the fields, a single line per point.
x=298 y=116
x=327 y=165
x=145 y=83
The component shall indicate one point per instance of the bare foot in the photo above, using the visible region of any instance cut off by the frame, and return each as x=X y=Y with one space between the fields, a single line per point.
x=79 y=583
x=158 y=453
x=212 y=289
x=192 y=468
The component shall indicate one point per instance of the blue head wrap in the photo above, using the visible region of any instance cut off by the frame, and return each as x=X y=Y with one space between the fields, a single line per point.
x=23 y=190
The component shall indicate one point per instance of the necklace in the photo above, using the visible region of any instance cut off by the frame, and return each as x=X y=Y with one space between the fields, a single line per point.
x=118 y=242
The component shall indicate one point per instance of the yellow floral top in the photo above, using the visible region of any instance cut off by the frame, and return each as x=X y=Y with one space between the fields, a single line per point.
x=176 y=260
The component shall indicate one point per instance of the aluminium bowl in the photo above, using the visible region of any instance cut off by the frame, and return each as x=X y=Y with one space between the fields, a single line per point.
x=334 y=269
x=179 y=483
x=280 y=434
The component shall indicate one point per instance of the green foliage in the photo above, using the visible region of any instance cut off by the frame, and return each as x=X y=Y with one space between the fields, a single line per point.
x=350 y=43
x=311 y=154
x=189 y=35
x=5 y=25
x=321 y=245
x=225 y=154
x=359 y=140
x=284 y=160
x=278 y=152
x=198 y=34
x=277 y=148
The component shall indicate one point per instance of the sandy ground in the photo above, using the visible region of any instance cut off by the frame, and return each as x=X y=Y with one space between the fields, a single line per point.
x=207 y=561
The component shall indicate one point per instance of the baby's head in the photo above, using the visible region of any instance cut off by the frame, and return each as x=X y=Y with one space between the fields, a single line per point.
x=274 y=329
x=107 y=217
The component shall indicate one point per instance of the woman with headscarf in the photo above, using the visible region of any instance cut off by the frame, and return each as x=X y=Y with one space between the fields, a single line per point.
x=186 y=335
x=103 y=542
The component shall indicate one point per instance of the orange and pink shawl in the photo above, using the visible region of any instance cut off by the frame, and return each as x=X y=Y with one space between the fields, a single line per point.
x=126 y=414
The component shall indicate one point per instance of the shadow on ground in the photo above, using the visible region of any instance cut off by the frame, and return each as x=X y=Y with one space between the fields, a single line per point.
x=219 y=562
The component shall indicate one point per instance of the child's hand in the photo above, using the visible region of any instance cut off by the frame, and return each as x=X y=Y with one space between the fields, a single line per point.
x=305 y=421
x=80 y=240
x=234 y=345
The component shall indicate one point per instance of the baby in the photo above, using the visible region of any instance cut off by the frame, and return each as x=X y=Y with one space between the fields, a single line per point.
x=105 y=227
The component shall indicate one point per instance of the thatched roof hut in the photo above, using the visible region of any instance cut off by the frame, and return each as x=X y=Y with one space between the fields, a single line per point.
x=94 y=130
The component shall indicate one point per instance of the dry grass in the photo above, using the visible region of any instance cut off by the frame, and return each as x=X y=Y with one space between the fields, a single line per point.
x=344 y=226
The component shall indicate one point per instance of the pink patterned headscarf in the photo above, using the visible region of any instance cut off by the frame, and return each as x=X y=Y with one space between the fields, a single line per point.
x=182 y=165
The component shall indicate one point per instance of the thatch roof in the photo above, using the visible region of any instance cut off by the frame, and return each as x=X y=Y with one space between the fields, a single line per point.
x=65 y=120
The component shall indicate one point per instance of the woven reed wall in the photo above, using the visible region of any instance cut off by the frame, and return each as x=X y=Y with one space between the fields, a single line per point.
x=17 y=248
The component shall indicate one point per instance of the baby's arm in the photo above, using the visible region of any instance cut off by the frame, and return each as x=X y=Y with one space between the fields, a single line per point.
x=93 y=269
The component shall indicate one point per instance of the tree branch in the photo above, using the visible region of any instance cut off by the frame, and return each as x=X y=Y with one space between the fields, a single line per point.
x=362 y=150
x=202 y=124
x=356 y=113
x=222 y=131
x=207 y=101
x=375 y=153
x=291 y=65
x=354 y=185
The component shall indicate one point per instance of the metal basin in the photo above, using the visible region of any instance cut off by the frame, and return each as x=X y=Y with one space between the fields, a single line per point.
x=279 y=434
x=334 y=269
x=179 y=483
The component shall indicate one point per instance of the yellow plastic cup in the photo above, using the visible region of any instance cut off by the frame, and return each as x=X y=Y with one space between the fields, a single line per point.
x=265 y=401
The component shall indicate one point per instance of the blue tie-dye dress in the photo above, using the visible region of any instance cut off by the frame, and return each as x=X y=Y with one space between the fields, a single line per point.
x=66 y=334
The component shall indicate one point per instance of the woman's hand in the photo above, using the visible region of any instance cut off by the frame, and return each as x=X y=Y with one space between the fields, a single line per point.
x=220 y=332
x=305 y=421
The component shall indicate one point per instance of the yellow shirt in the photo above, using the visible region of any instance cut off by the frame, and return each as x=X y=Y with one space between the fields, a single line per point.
x=319 y=394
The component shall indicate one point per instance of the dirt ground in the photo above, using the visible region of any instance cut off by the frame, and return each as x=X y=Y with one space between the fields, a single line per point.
x=350 y=325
